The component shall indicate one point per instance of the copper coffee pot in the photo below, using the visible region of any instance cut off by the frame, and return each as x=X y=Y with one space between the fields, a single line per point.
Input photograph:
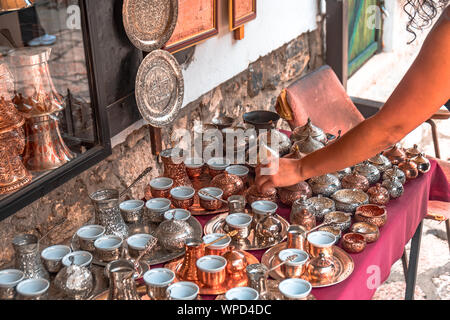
x=423 y=164
x=410 y=169
x=195 y=249
x=13 y=174
x=303 y=218
x=174 y=167
x=395 y=155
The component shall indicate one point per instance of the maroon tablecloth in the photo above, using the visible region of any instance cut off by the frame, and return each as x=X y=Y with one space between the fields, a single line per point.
x=373 y=265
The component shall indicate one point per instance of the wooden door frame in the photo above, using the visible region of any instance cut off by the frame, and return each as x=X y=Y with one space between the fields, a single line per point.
x=337 y=36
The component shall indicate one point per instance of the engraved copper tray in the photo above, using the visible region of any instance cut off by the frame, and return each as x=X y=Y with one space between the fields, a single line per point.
x=159 y=88
x=217 y=225
x=229 y=283
x=272 y=292
x=141 y=290
x=343 y=262
x=149 y=24
x=157 y=255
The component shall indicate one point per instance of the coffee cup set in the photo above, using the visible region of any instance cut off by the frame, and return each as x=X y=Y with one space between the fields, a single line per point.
x=318 y=261
x=260 y=229
x=213 y=264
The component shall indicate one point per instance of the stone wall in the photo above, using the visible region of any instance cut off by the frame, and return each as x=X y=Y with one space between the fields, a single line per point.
x=68 y=207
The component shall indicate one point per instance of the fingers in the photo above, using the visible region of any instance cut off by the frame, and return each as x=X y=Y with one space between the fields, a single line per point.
x=260 y=181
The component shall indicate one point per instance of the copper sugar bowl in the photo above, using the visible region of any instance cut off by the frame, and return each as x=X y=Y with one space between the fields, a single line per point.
x=381 y=162
x=289 y=194
x=410 y=169
x=378 y=195
x=321 y=269
x=423 y=164
x=371 y=213
x=236 y=263
x=303 y=218
x=369 y=171
x=355 y=181
x=395 y=155
x=253 y=195
x=230 y=184
x=306 y=146
x=309 y=130
x=394 y=173
x=412 y=152
x=353 y=242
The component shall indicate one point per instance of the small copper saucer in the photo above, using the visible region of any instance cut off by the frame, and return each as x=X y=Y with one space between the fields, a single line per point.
x=273 y=292
x=228 y=284
x=343 y=262
x=252 y=242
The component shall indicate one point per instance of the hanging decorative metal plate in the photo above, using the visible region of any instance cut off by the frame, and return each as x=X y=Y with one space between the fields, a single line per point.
x=159 y=88
x=149 y=24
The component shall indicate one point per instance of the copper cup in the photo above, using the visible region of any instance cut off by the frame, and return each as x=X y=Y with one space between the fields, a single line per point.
x=107 y=248
x=218 y=248
x=217 y=166
x=194 y=167
x=209 y=203
x=320 y=242
x=182 y=197
x=240 y=222
x=295 y=268
x=296 y=237
x=236 y=204
x=157 y=282
x=211 y=270
x=160 y=187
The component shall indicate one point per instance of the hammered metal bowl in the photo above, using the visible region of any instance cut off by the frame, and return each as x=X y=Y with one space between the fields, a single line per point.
x=370 y=231
x=369 y=171
x=372 y=213
x=348 y=200
x=341 y=220
x=288 y=195
x=353 y=242
x=319 y=206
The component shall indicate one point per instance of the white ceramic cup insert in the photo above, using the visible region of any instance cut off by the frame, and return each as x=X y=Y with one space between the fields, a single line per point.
x=138 y=241
x=159 y=277
x=302 y=257
x=218 y=163
x=108 y=242
x=182 y=193
x=9 y=278
x=238 y=170
x=193 y=163
x=161 y=183
x=81 y=258
x=264 y=207
x=295 y=288
x=183 y=290
x=242 y=293
x=91 y=232
x=239 y=220
x=218 y=245
x=211 y=264
x=158 y=205
x=217 y=192
x=131 y=205
x=177 y=214
x=55 y=253
x=33 y=287
x=321 y=239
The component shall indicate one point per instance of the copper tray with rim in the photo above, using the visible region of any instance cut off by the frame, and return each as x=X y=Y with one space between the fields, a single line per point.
x=157 y=255
x=229 y=283
x=343 y=262
x=273 y=292
x=141 y=290
x=149 y=24
x=217 y=225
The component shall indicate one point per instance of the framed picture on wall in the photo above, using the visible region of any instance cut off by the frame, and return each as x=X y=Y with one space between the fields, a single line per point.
x=241 y=12
x=197 y=21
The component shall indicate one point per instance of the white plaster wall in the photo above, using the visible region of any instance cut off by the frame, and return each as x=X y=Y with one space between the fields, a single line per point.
x=220 y=58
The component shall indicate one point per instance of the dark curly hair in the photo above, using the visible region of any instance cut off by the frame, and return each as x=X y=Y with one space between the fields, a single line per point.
x=421 y=13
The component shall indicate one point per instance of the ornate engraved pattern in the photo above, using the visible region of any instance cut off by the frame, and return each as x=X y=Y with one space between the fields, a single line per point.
x=149 y=24
x=159 y=88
